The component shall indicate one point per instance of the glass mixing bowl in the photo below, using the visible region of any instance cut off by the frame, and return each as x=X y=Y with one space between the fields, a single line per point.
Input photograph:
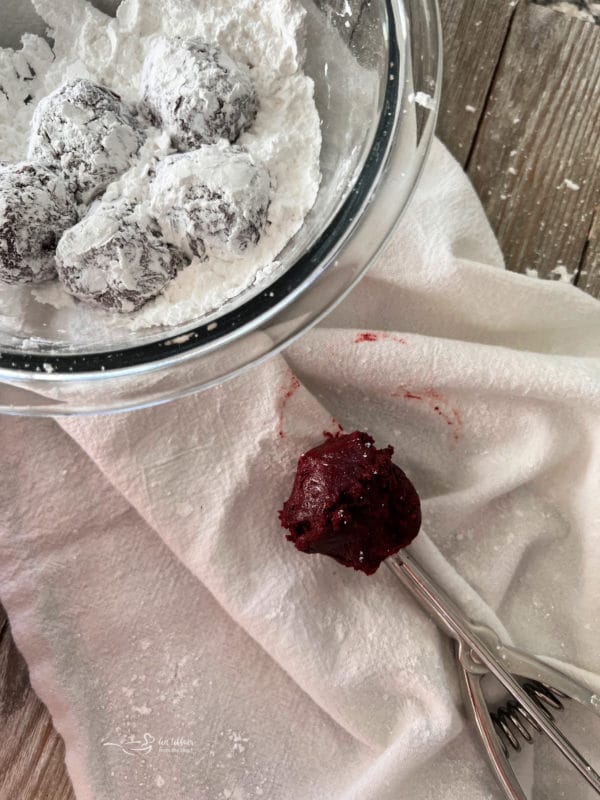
x=377 y=84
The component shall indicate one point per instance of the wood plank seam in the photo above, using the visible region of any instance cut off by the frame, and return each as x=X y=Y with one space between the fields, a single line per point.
x=491 y=86
x=594 y=223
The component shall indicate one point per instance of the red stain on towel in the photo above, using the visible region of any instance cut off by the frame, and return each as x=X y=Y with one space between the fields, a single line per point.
x=369 y=336
x=366 y=337
x=288 y=392
x=334 y=434
x=437 y=403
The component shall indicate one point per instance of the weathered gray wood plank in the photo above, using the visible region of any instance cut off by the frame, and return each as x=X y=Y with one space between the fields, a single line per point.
x=474 y=34
x=31 y=752
x=589 y=279
x=536 y=160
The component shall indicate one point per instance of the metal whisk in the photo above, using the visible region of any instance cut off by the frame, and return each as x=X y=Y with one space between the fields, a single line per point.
x=479 y=653
x=511 y=720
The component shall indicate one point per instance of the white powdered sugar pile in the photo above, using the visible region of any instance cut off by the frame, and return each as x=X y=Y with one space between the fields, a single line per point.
x=265 y=35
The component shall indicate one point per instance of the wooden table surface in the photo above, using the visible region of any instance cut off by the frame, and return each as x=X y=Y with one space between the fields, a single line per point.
x=521 y=112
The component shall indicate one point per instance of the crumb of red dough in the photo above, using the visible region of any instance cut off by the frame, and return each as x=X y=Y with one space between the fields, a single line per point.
x=351 y=502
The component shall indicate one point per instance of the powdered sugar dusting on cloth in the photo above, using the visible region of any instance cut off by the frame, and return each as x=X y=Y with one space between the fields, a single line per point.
x=266 y=35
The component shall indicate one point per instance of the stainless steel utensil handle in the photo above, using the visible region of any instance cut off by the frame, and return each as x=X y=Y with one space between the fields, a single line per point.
x=453 y=621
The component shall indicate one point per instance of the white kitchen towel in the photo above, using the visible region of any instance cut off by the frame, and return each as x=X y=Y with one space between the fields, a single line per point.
x=187 y=652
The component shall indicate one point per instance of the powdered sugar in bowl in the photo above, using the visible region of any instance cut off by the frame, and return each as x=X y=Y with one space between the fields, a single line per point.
x=360 y=64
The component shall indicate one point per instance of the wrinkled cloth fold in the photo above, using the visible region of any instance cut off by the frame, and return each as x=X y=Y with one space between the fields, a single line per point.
x=187 y=651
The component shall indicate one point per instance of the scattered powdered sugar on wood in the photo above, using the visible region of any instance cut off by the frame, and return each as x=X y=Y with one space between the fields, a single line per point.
x=422 y=99
x=562 y=274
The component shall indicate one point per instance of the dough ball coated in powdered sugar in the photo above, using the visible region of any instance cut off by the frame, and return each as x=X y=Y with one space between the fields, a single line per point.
x=116 y=258
x=212 y=202
x=35 y=209
x=197 y=93
x=87 y=131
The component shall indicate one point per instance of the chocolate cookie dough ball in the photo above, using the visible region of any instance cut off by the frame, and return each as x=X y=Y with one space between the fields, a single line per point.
x=351 y=502
x=197 y=93
x=116 y=258
x=212 y=202
x=88 y=132
x=35 y=210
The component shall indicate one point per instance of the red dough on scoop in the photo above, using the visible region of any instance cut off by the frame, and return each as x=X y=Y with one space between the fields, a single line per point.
x=350 y=502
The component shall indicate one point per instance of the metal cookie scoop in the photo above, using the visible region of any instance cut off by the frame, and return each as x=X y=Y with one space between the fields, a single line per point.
x=350 y=502
x=480 y=652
